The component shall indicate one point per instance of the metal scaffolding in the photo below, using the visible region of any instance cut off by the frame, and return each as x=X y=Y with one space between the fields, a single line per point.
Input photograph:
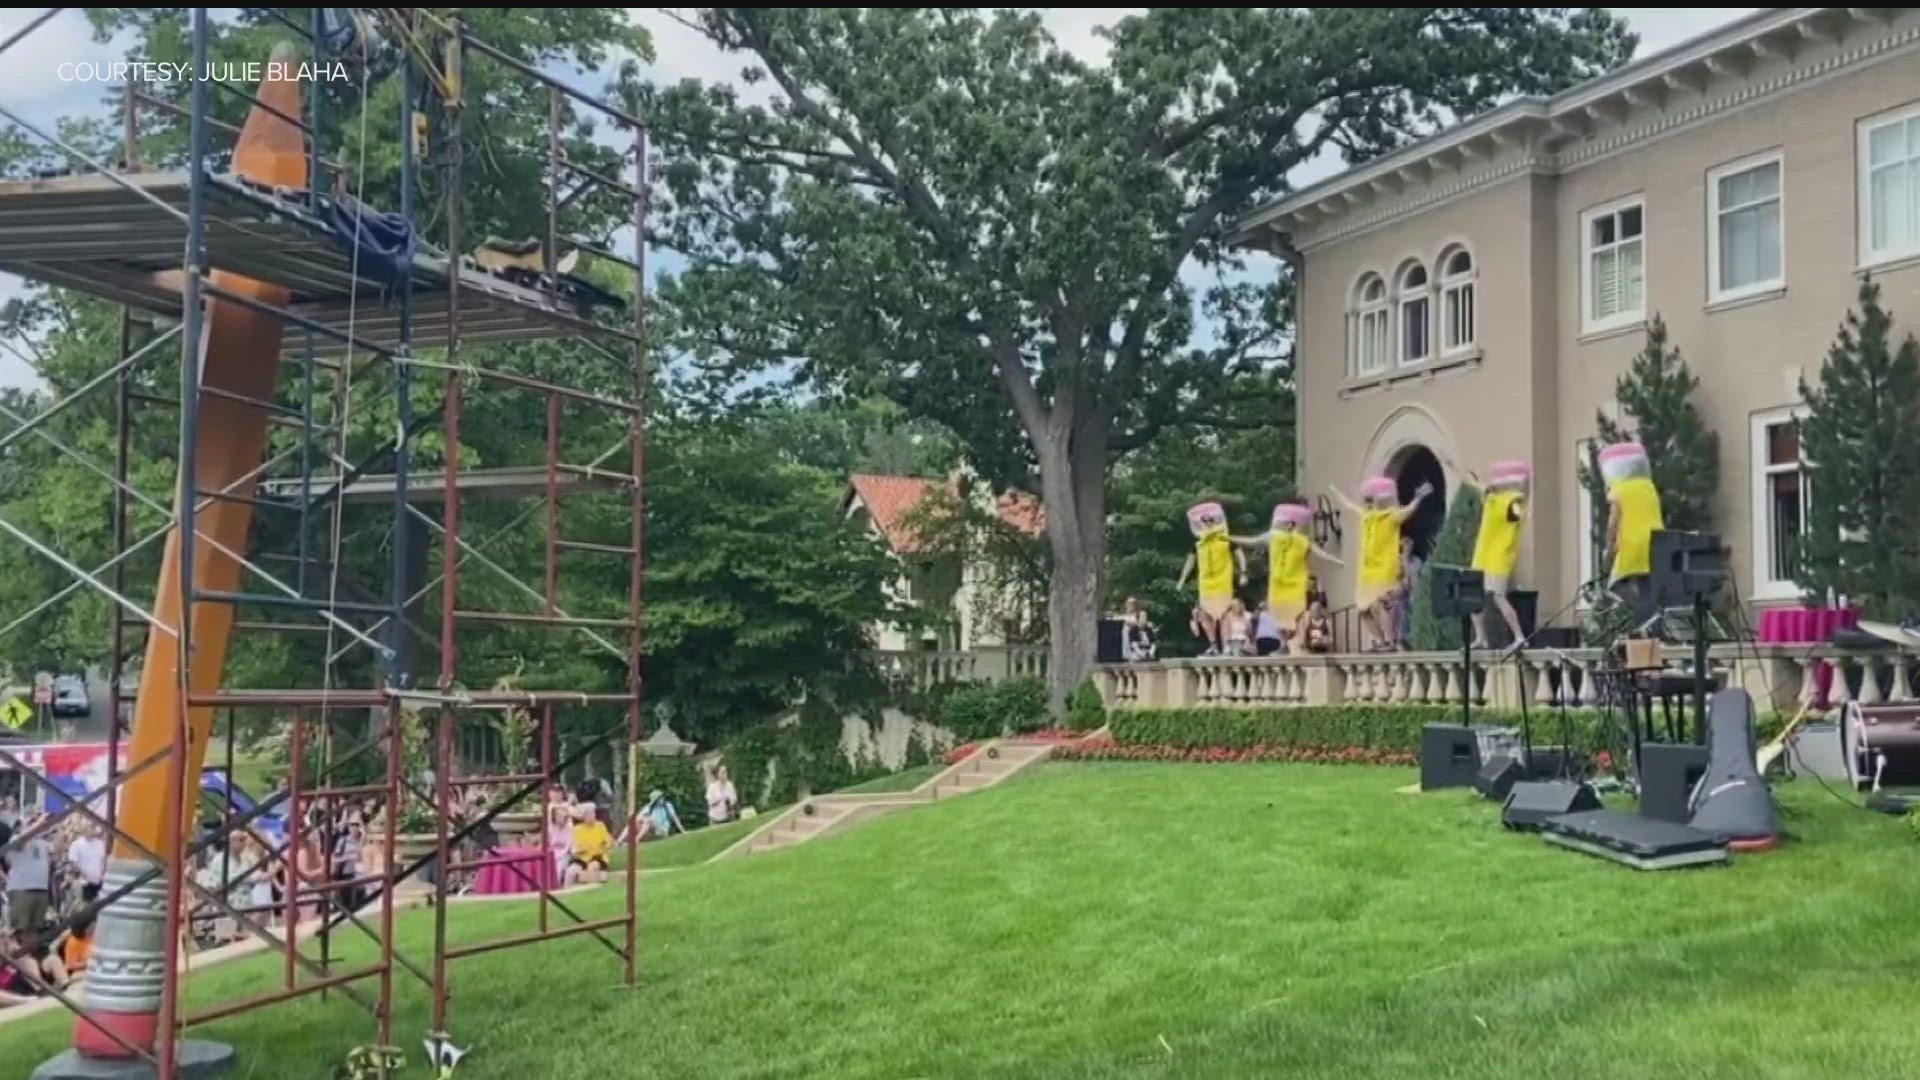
x=172 y=244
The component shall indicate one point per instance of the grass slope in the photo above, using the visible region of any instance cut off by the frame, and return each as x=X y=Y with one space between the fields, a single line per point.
x=904 y=780
x=1178 y=921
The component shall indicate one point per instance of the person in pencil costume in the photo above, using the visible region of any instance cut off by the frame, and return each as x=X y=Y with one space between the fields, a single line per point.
x=1288 y=577
x=1496 y=546
x=1221 y=567
x=1381 y=519
x=1633 y=516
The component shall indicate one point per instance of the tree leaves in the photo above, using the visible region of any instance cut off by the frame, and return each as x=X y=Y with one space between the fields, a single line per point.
x=1861 y=459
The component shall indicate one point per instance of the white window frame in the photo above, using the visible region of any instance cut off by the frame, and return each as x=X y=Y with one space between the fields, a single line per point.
x=1588 y=324
x=1402 y=297
x=1715 y=292
x=1453 y=287
x=1863 y=169
x=1765 y=587
x=1364 y=311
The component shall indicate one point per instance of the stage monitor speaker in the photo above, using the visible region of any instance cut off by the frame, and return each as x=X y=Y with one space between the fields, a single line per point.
x=1668 y=774
x=1449 y=756
x=1686 y=564
x=1498 y=776
x=1458 y=593
x=1549 y=762
x=1107 y=642
x=1532 y=802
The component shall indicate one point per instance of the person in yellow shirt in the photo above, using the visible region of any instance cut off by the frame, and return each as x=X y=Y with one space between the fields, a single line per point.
x=1496 y=547
x=1288 y=578
x=1381 y=519
x=591 y=842
x=1221 y=567
x=1633 y=516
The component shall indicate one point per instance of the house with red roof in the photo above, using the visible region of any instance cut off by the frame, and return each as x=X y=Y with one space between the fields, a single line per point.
x=969 y=608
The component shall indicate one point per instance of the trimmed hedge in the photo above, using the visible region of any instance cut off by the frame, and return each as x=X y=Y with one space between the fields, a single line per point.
x=1337 y=727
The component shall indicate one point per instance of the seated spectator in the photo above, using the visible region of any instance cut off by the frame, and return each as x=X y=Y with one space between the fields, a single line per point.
x=662 y=817
x=75 y=947
x=591 y=842
x=1136 y=633
x=30 y=966
x=1266 y=631
x=1236 y=630
x=1317 y=629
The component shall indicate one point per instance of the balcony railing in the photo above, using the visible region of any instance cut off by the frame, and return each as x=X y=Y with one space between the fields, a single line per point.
x=922 y=669
x=1777 y=676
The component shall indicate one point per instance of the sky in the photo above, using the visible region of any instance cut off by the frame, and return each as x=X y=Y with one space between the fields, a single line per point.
x=35 y=90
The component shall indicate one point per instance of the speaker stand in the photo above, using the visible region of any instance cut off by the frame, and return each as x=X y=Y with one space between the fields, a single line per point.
x=1466 y=674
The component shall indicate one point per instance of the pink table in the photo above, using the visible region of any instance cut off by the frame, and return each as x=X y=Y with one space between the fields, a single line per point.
x=1804 y=626
x=1807 y=626
x=514 y=870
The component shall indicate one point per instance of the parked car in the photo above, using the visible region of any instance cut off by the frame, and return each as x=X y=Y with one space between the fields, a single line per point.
x=70 y=696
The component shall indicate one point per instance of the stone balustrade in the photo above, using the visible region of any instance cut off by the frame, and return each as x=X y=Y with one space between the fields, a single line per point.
x=922 y=669
x=1779 y=677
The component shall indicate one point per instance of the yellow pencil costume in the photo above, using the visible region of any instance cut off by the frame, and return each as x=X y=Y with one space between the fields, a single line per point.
x=1288 y=547
x=1379 y=543
x=1496 y=548
x=1213 y=557
x=1636 y=506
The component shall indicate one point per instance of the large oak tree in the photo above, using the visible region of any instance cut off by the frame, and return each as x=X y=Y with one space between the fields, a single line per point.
x=943 y=207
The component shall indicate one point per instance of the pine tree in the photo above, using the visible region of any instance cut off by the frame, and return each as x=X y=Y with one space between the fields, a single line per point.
x=1452 y=546
x=1860 y=454
x=1656 y=398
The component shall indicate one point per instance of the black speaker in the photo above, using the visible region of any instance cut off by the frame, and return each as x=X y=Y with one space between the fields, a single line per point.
x=1549 y=762
x=1458 y=592
x=1449 y=756
x=1685 y=564
x=1532 y=802
x=1107 y=642
x=1497 y=777
x=1668 y=773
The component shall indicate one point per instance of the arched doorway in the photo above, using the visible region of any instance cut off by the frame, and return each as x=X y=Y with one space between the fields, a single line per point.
x=1412 y=466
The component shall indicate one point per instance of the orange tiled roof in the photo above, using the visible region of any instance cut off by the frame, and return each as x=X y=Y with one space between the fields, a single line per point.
x=889 y=498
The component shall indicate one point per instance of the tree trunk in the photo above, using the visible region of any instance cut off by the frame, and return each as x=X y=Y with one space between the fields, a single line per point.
x=1074 y=492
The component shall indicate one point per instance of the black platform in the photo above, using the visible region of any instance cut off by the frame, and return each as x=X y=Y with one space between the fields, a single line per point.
x=1640 y=842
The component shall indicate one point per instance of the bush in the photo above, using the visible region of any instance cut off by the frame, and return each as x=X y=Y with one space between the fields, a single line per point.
x=919 y=750
x=748 y=757
x=1086 y=711
x=990 y=710
x=1383 y=728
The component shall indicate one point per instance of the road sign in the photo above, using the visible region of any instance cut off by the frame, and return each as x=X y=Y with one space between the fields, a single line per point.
x=16 y=713
x=43 y=688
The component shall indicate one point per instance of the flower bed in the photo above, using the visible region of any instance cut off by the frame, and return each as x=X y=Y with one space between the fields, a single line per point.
x=1105 y=749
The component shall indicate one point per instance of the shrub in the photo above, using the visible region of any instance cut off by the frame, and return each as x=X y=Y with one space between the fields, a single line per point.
x=1388 y=729
x=918 y=751
x=990 y=710
x=1086 y=711
x=748 y=757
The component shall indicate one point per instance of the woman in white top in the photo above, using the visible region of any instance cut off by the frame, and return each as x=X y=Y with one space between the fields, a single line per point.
x=722 y=800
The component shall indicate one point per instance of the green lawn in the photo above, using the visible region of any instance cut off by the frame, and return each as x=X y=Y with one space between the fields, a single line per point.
x=904 y=780
x=688 y=848
x=1182 y=921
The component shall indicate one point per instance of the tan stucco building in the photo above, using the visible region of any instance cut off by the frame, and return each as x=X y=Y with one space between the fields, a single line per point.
x=1475 y=296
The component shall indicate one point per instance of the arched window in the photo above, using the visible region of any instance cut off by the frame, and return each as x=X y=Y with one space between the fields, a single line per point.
x=1370 y=339
x=1413 y=301
x=1456 y=301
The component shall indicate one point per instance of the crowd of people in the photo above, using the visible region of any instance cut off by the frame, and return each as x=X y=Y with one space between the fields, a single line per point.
x=51 y=873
